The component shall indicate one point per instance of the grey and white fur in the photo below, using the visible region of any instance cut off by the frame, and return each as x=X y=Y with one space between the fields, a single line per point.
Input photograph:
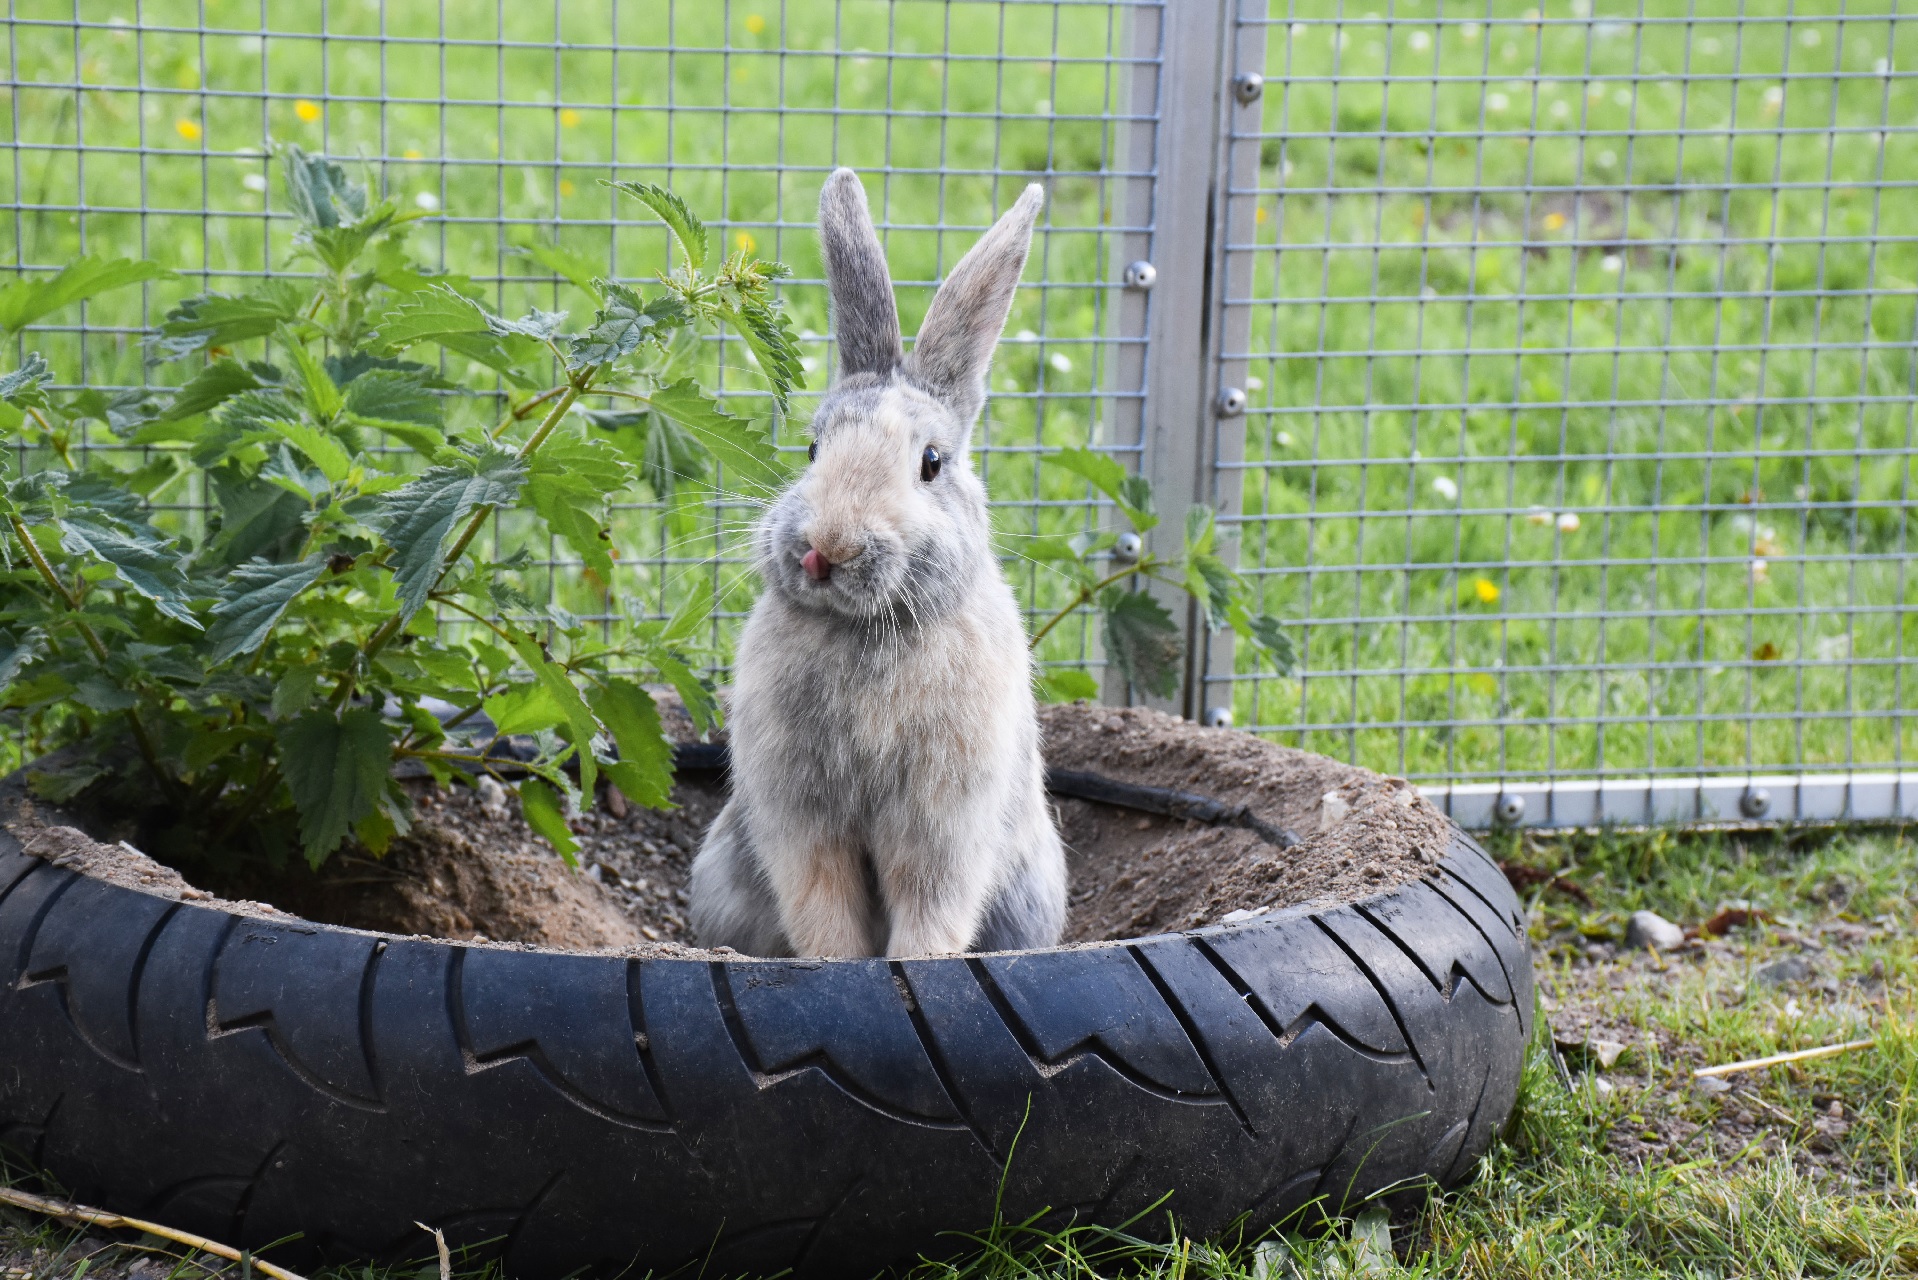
x=888 y=793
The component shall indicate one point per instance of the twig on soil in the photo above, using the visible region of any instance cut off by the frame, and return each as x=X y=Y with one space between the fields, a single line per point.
x=115 y=1222
x=1778 y=1059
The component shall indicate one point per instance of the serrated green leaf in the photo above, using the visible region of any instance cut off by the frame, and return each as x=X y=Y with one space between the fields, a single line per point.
x=1135 y=499
x=416 y=519
x=744 y=446
x=1066 y=684
x=323 y=399
x=534 y=324
x=618 y=328
x=565 y=694
x=319 y=192
x=336 y=771
x=671 y=210
x=523 y=708
x=210 y=388
x=97 y=693
x=1266 y=631
x=1143 y=640
x=320 y=448
x=1201 y=529
x=1104 y=471
x=1214 y=585
x=24 y=383
x=459 y=324
x=17 y=651
x=258 y=519
x=251 y=602
x=695 y=693
x=645 y=768
x=221 y=319
x=149 y=565
x=768 y=334
x=392 y=396
x=567 y=485
x=562 y=262
x=293 y=692
x=27 y=300
x=540 y=805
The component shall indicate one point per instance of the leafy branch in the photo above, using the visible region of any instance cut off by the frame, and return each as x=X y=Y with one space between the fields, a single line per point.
x=1141 y=636
x=271 y=671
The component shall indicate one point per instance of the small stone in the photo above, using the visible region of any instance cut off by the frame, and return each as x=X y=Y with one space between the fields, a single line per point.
x=1649 y=929
x=1607 y=1052
x=1373 y=871
x=615 y=801
x=1233 y=917
x=1711 y=1086
x=1332 y=810
x=1601 y=1085
x=1836 y=1110
x=1143 y=824
x=492 y=796
x=1113 y=724
x=1784 y=972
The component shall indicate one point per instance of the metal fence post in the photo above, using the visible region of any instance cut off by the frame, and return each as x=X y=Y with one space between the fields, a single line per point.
x=1190 y=198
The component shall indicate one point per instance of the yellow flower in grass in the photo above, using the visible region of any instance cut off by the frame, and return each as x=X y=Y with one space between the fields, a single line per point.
x=755 y=24
x=307 y=110
x=1553 y=221
x=744 y=242
x=569 y=118
x=188 y=129
x=1486 y=590
x=566 y=187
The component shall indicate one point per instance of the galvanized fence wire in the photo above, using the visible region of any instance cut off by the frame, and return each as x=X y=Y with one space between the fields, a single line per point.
x=145 y=133
x=1578 y=340
x=1580 y=367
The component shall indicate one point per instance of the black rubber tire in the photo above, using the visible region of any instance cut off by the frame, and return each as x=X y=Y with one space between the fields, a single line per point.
x=250 y=1080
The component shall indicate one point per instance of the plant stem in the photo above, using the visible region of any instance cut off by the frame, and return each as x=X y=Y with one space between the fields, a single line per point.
x=390 y=628
x=1144 y=566
x=141 y=737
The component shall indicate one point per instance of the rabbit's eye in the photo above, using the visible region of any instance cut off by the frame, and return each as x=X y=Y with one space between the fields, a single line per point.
x=929 y=463
x=812 y=452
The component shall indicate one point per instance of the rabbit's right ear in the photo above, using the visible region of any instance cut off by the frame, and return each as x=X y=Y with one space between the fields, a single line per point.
x=865 y=318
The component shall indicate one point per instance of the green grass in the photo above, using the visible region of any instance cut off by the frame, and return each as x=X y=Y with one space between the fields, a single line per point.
x=1685 y=313
x=1576 y=1191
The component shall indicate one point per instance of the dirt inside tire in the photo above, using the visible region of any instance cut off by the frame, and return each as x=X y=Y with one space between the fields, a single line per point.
x=472 y=870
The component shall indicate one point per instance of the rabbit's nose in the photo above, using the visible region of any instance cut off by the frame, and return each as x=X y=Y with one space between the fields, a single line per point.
x=817 y=567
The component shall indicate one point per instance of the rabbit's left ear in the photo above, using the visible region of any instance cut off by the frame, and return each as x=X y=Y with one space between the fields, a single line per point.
x=967 y=314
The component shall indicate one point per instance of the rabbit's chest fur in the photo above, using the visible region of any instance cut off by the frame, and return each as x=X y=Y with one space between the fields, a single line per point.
x=862 y=720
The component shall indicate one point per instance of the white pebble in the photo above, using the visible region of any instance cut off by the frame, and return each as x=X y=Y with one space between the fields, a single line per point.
x=1445 y=487
x=1332 y=810
x=1568 y=522
x=427 y=201
x=254 y=182
x=492 y=796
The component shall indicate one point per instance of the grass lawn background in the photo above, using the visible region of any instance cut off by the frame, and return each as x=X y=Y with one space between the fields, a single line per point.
x=1652 y=268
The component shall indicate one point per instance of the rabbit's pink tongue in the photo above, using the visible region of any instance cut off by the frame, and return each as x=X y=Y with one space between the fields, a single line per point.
x=817 y=567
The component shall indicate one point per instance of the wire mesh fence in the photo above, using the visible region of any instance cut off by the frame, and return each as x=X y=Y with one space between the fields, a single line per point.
x=1579 y=351
x=1577 y=343
x=147 y=134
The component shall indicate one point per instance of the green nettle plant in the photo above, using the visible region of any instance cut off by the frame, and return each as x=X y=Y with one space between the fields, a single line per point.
x=1141 y=636
x=250 y=680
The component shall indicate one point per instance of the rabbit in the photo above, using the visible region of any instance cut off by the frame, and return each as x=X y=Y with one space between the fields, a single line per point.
x=888 y=792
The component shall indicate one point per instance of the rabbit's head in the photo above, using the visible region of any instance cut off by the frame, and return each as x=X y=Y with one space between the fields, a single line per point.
x=889 y=519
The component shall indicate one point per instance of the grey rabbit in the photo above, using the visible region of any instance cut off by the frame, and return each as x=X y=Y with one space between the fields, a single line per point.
x=888 y=792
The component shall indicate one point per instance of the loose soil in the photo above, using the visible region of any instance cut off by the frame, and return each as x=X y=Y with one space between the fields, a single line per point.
x=471 y=869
